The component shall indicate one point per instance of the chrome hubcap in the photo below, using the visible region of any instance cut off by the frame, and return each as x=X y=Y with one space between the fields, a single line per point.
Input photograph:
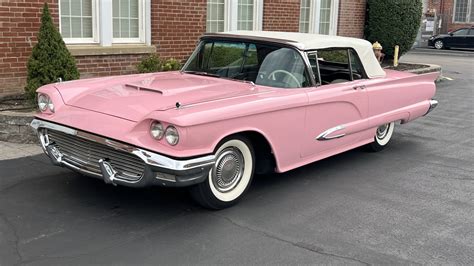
x=228 y=169
x=382 y=131
x=438 y=44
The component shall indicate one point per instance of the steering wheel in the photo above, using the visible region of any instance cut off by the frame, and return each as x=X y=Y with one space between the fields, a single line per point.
x=292 y=77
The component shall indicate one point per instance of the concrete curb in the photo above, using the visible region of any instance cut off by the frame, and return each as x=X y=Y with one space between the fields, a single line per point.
x=430 y=69
x=15 y=127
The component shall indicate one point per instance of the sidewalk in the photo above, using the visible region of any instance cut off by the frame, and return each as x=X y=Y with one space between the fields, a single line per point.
x=14 y=150
x=450 y=52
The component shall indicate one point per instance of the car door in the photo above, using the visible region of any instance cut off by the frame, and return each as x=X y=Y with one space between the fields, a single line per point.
x=470 y=39
x=457 y=39
x=337 y=108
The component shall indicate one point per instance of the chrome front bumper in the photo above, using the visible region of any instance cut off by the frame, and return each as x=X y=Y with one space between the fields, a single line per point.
x=158 y=169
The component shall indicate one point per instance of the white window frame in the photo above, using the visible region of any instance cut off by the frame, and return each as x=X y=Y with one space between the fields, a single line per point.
x=95 y=28
x=315 y=16
x=231 y=15
x=468 y=14
x=102 y=25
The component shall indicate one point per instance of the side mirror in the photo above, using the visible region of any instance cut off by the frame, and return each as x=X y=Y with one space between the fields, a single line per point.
x=451 y=34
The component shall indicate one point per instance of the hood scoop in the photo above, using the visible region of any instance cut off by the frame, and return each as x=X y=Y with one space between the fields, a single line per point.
x=141 y=86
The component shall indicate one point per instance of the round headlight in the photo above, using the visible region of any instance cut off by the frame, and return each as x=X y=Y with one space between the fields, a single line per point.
x=43 y=102
x=156 y=130
x=171 y=135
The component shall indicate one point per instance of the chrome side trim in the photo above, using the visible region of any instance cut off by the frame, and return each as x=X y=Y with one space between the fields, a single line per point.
x=433 y=105
x=325 y=135
x=150 y=158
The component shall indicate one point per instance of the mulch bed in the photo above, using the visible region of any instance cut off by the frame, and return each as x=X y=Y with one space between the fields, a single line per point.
x=403 y=66
x=17 y=103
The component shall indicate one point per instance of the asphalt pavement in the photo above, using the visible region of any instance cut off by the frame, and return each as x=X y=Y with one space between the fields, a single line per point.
x=411 y=203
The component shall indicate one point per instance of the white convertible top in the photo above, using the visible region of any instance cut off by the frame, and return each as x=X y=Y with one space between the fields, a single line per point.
x=307 y=41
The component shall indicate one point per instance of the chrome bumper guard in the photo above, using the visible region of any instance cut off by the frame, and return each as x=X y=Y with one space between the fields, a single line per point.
x=433 y=105
x=158 y=169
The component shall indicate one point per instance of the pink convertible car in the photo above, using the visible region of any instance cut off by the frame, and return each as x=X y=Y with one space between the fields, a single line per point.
x=244 y=103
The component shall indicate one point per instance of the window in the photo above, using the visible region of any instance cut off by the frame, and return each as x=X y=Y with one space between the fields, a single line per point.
x=336 y=66
x=77 y=20
x=464 y=11
x=228 y=15
x=126 y=20
x=325 y=17
x=105 y=22
x=267 y=65
x=304 y=15
x=319 y=16
x=245 y=15
x=461 y=32
x=215 y=15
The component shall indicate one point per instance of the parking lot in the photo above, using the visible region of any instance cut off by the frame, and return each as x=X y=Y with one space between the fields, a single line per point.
x=411 y=203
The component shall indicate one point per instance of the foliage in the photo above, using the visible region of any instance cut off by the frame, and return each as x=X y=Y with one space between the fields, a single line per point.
x=50 y=59
x=153 y=63
x=393 y=22
x=171 y=64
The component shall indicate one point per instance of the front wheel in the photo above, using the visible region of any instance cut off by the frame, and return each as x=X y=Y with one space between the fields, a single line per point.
x=230 y=176
x=382 y=137
x=439 y=44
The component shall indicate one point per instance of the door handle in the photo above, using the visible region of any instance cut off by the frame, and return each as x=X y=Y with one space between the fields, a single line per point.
x=361 y=87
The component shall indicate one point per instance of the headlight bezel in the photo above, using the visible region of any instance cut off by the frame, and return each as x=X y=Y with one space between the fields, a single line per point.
x=157 y=125
x=172 y=135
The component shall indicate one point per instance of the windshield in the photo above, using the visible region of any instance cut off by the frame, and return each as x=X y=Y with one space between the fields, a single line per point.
x=263 y=64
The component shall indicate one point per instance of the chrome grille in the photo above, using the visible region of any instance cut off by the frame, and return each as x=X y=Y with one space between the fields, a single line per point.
x=85 y=154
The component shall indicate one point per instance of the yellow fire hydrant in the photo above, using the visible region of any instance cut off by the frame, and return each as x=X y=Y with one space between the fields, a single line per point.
x=377 y=47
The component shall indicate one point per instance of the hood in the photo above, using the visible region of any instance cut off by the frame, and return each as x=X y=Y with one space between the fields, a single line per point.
x=133 y=97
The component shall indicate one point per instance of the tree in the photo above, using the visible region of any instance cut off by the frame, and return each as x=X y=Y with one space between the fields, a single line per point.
x=393 y=22
x=50 y=59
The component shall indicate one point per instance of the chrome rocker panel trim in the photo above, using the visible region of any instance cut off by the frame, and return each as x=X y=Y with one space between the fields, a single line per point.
x=159 y=170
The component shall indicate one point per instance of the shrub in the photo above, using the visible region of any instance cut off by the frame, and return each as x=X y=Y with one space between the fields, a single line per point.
x=50 y=58
x=151 y=63
x=393 y=22
x=171 y=64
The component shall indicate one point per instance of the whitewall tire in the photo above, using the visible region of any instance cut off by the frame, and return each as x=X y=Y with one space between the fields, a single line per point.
x=382 y=137
x=230 y=176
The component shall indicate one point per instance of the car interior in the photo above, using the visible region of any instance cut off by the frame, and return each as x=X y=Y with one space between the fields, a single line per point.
x=274 y=66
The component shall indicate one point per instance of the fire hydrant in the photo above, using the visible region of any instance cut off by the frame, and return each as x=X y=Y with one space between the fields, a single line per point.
x=377 y=47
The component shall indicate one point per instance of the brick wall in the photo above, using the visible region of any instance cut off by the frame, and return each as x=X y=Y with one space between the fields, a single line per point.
x=177 y=25
x=19 y=23
x=281 y=15
x=107 y=65
x=351 y=18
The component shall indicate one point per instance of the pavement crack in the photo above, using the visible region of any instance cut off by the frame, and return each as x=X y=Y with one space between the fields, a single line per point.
x=16 y=238
x=302 y=245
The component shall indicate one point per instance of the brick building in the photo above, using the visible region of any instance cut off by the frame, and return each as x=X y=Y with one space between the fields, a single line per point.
x=109 y=37
x=451 y=14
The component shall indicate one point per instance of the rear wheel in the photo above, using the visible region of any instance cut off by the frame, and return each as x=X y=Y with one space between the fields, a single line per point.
x=382 y=137
x=230 y=176
x=439 y=44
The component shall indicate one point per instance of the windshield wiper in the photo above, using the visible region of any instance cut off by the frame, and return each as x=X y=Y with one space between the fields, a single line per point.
x=201 y=73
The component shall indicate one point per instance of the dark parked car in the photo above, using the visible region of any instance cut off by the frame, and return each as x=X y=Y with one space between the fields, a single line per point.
x=461 y=38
